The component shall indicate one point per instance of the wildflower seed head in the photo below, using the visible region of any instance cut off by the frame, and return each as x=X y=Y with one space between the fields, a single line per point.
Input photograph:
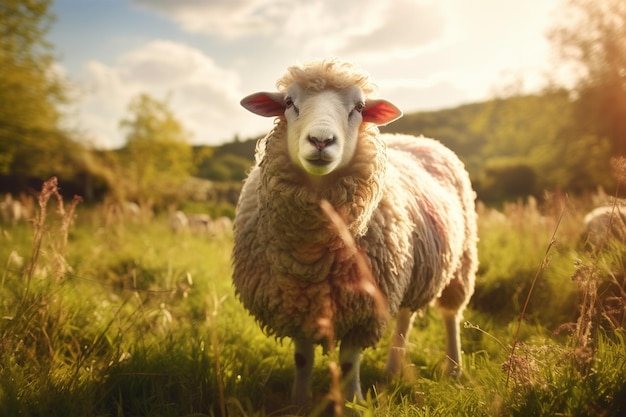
x=618 y=166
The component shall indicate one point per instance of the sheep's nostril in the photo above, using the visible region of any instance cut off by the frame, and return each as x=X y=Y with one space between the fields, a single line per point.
x=321 y=143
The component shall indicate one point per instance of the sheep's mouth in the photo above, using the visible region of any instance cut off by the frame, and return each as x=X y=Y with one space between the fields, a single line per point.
x=318 y=162
x=319 y=158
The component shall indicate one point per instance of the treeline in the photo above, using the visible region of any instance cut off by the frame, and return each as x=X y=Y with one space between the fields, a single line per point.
x=521 y=145
x=228 y=162
x=512 y=147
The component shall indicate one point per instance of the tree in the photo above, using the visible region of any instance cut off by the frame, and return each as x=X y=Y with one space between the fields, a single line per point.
x=31 y=142
x=531 y=138
x=591 y=36
x=157 y=157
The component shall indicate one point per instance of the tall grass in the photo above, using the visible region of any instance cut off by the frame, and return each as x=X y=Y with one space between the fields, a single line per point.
x=122 y=317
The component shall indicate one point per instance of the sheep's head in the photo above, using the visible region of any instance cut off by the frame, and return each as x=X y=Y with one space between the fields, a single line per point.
x=323 y=119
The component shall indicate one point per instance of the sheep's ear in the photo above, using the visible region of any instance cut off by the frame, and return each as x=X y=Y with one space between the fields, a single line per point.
x=265 y=104
x=380 y=112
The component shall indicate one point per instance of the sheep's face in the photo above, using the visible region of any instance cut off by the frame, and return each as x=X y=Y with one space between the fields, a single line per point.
x=322 y=126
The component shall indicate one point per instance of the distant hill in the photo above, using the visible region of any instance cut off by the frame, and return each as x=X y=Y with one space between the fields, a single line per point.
x=511 y=147
x=244 y=149
x=446 y=126
x=449 y=126
x=228 y=162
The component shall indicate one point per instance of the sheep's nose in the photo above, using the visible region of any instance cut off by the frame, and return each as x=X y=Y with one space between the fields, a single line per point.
x=321 y=143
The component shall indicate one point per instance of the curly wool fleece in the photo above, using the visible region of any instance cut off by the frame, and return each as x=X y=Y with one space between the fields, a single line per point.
x=409 y=204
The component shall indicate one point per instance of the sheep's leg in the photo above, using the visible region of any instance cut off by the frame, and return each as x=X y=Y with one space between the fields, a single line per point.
x=451 y=304
x=451 y=320
x=304 y=356
x=397 y=352
x=350 y=361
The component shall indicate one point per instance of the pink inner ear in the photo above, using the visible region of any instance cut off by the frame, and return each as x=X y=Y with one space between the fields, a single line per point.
x=380 y=112
x=264 y=104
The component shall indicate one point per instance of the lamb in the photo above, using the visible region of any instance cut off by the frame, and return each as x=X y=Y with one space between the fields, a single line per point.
x=406 y=201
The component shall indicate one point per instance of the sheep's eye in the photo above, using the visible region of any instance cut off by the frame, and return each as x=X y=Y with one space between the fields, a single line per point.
x=290 y=105
x=360 y=106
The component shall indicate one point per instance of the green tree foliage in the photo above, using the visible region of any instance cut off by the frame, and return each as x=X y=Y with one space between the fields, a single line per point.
x=449 y=126
x=532 y=145
x=31 y=143
x=517 y=146
x=157 y=157
x=221 y=166
x=591 y=35
x=228 y=162
x=242 y=148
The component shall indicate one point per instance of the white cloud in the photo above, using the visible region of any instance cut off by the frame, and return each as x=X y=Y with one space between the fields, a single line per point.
x=312 y=27
x=326 y=27
x=424 y=54
x=227 y=19
x=487 y=48
x=203 y=96
x=404 y=26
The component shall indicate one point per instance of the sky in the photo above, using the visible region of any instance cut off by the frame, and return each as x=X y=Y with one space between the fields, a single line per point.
x=204 y=56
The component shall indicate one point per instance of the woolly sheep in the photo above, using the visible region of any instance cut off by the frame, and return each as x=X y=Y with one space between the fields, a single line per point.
x=604 y=223
x=407 y=202
x=199 y=223
x=178 y=221
x=11 y=210
x=194 y=223
x=221 y=226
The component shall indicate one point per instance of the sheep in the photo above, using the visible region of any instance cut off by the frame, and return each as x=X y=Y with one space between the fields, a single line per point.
x=131 y=209
x=220 y=227
x=199 y=223
x=11 y=210
x=604 y=238
x=195 y=223
x=604 y=223
x=178 y=221
x=407 y=202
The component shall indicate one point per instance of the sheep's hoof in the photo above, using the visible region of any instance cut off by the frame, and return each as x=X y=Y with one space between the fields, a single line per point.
x=324 y=407
x=454 y=372
x=392 y=369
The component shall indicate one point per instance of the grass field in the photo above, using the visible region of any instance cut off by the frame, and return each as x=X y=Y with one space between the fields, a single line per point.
x=104 y=316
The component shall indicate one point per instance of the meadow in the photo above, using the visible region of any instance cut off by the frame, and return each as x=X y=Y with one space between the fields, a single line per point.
x=105 y=314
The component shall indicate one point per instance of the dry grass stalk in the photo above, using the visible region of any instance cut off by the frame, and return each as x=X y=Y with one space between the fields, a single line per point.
x=586 y=277
x=59 y=243
x=367 y=284
x=544 y=264
x=67 y=217
x=618 y=166
x=49 y=187
x=597 y=304
x=524 y=368
x=215 y=342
